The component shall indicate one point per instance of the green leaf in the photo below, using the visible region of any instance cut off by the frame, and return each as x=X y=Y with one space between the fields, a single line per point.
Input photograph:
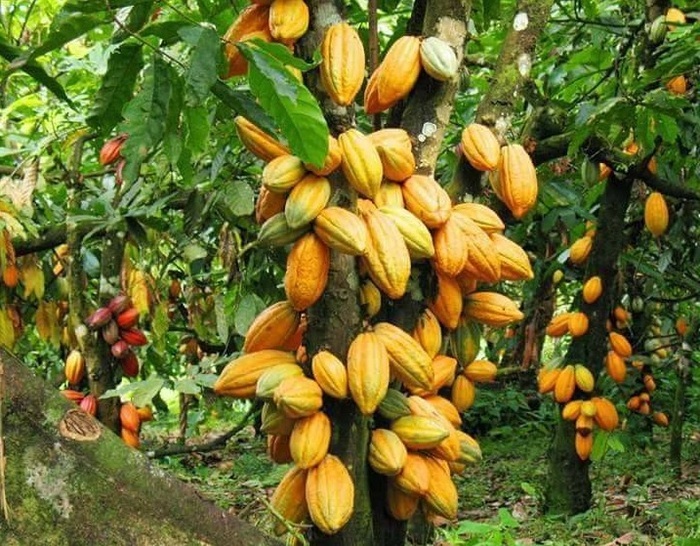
x=202 y=73
x=139 y=15
x=239 y=198
x=243 y=103
x=67 y=26
x=290 y=104
x=145 y=117
x=197 y=121
x=92 y=6
x=187 y=385
x=248 y=308
x=475 y=528
x=117 y=86
x=600 y=445
x=137 y=231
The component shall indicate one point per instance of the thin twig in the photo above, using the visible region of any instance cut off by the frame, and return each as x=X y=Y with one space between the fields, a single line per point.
x=208 y=446
x=3 y=498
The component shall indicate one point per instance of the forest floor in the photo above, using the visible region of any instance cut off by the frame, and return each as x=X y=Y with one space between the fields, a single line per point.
x=637 y=498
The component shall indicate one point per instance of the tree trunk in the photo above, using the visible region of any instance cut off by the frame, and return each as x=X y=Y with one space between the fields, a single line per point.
x=678 y=414
x=69 y=480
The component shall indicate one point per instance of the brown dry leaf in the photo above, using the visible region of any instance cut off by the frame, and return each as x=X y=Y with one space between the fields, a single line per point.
x=47 y=322
x=627 y=538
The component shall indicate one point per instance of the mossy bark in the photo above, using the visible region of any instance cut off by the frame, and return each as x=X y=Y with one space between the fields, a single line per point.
x=71 y=481
x=569 y=485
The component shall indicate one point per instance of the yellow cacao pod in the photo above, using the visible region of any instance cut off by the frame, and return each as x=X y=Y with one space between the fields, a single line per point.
x=414 y=478
x=465 y=341
x=566 y=384
x=389 y=195
x=428 y=332
x=441 y=497
x=515 y=264
x=451 y=247
x=257 y=141
x=592 y=289
x=330 y=494
x=395 y=77
x=656 y=214
x=342 y=230
x=579 y=251
x=282 y=173
x=289 y=498
x=289 y=20
x=399 y=504
x=74 y=368
x=310 y=439
x=298 y=396
x=343 y=65
x=491 y=308
x=332 y=161
x=387 y=453
x=425 y=198
x=462 y=393
x=674 y=15
x=361 y=163
x=253 y=18
x=387 y=259
x=584 y=446
x=547 y=379
x=330 y=374
x=306 y=200
x=480 y=146
x=584 y=378
x=438 y=58
x=272 y=377
x=368 y=371
x=274 y=420
x=483 y=216
x=578 y=324
x=420 y=431
x=370 y=298
x=307 y=271
x=483 y=261
x=620 y=344
x=517 y=180
x=444 y=369
x=396 y=153
x=481 y=371
x=408 y=361
x=445 y=408
x=677 y=85
x=470 y=452
x=276 y=232
x=588 y=408
x=272 y=327
x=447 y=304
x=268 y=204
x=240 y=376
x=415 y=234
x=571 y=410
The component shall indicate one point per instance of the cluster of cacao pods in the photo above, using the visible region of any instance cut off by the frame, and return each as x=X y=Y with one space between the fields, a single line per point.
x=402 y=218
x=130 y=418
x=117 y=324
x=282 y=21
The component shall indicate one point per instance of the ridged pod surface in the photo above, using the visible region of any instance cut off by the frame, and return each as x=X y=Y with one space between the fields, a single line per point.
x=517 y=180
x=342 y=230
x=361 y=163
x=394 y=405
x=343 y=66
x=74 y=368
x=240 y=376
x=310 y=439
x=584 y=378
x=438 y=58
x=271 y=328
x=399 y=504
x=615 y=366
x=370 y=298
x=409 y=362
x=395 y=77
x=420 y=431
x=465 y=341
x=268 y=204
x=282 y=173
x=272 y=377
x=444 y=368
x=592 y=289
x=491 y=308
x=307 y=271
x=451 y=247
x=462 y=393
x=425 y=198
x=395 y=150
x=257 y=141
x=447 y=304
x=330 y=494
x=584 y=445
x=414 y=478
x=415 y=234
x=306 y=200
x=289 y=498
x=558 y=325
x=565 y=385
x=547 y=379
x=441 y=497
x=387 y=259
x=620 y=344
x=571 y=410
x=389 y=195
x=330 y=373
x=579 y=251
x=274 y=420
x=387 y=453
x=578 y=324
x=278 y=448
x=253 y=18
x=515 y=264
x=445 y=408
x=480 y=146
x=656 y=214
x=483 y=261
x=368 y=371
x=481 y=371
x=428 y=332
x=332 y=161
x=298 y=396
x=289 y=20
x=483 y=216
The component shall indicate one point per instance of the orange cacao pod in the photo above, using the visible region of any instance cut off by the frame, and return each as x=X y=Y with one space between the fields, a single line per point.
x=447 y=304
x=272 y=327
x=400 y=505
x=282 y=173
x=342 y=230
x=310 y=439
x=425 y=198
x=584 y=446
x=306 y=200
x=414 y=478
x=408 y=361
x=480 y=146
x=240 y=376
x=481 y=371
x=330 y=373
x=615 y=366
x=416 y=235
x=606 y=416
x=517 y=180
x=387 y=453
x=660 y=418
x=368 y=371
x=620 y=344
x=361 y=163
x=75 y=367
x=330 y=494
x=395 y=76
x=395 y=151
x=565 y=385
x=130 y=438
x=515 y=264
x=592 y=289
x=332 y=161
x=578 y=324
x=483 y=261
x=579 y=251
x=656 y=214
x=288 y=20
x=428 y=332
x=307 y=271
x=463 y=393
x=129 y=417
x=483 y=216
x=278 y=448
x=298 y=396
x=441 y=496
x=289 y=498
x=111 y=150
x=451 y=247
x=253 y=18
x=343 y=65
x=491 y=308
x=257 y=141
x=559 y=325
x=571 y=410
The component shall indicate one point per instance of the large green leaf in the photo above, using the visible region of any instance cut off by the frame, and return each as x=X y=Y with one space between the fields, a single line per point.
x=117 y=87
x=145 y=117
x=291 y=105
x=202 y=73
x=12 y=54
x=68 y=26
x=243 y=103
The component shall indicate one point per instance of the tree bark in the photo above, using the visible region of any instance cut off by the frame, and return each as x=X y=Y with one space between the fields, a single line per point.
x=69 y=480
x=678 y=415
